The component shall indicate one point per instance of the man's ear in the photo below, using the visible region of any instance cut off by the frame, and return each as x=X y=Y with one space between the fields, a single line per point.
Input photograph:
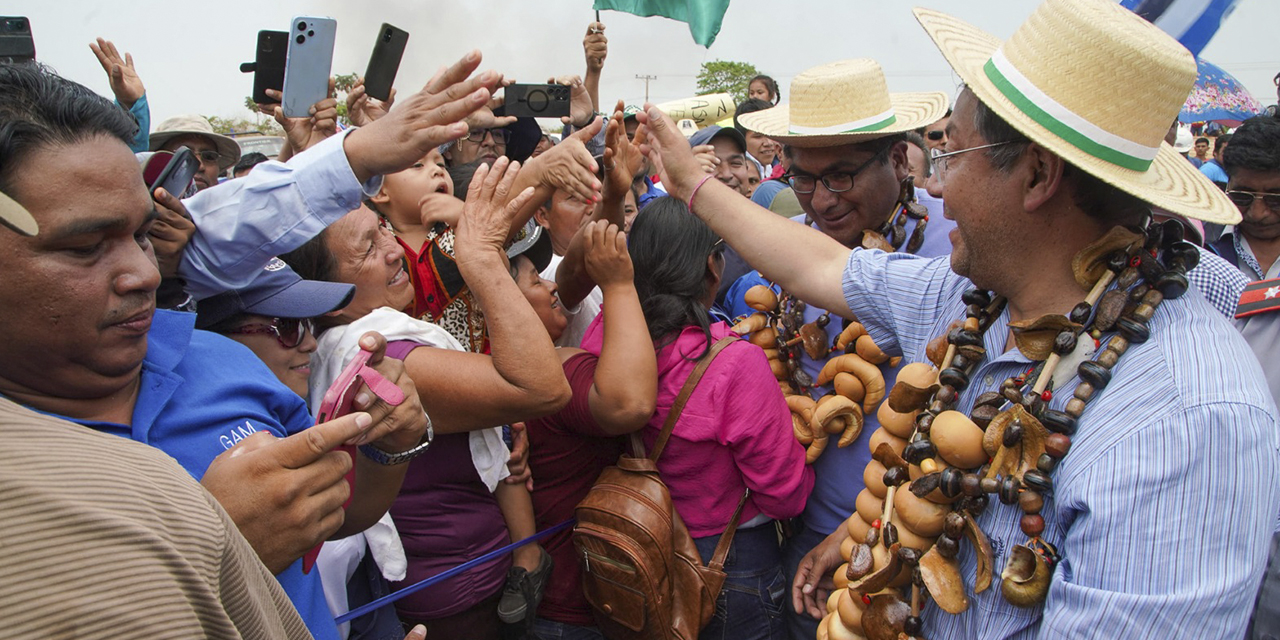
x=540 y=216
x=898 y=160
x=1043 y=173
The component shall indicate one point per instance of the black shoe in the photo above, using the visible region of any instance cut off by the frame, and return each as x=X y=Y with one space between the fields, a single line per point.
x=523 y=592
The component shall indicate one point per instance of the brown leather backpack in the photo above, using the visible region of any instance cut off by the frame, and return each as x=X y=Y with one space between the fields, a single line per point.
x=641 y=572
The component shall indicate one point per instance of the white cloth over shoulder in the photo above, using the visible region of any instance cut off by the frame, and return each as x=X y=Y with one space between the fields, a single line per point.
x=337 y=346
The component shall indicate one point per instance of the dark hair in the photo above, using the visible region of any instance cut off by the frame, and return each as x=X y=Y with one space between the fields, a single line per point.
x=669 y=249
x=1221 y=141
x=1255 y=146
x=748 y=106
x=228 y=324
x=461 y=176
x=39 y=108
x=1096 y=198
x=769 y=85
x=248 y=161
x=918 y=140
x=1202 y=139
x=313 y=260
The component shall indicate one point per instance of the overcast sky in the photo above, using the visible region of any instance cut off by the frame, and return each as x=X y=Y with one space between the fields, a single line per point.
x=188 y=54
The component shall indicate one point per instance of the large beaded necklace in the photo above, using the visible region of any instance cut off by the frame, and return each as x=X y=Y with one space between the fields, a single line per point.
x=1024 y=439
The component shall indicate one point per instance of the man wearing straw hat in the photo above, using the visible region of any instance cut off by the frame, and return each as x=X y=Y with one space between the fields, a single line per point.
x=1162 y=505
x=846 y=182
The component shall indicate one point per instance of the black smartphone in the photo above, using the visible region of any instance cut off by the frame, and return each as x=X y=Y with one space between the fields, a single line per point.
x=16 y=43
x=268 y=65
x=536 y=100
x=177 y=174
x=385 y=61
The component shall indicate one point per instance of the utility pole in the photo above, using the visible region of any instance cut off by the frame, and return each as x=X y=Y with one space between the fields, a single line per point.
x=646 y=79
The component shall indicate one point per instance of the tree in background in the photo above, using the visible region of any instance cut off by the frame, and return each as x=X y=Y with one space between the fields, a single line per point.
x=726 y=76
x=267 y=125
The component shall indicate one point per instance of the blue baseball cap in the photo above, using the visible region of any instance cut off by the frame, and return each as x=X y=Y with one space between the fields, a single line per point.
x=277 y=292
x=707 y=134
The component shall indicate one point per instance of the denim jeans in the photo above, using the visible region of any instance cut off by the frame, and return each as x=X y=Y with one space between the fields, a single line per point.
x=752 y=604
x=544 y=629
x=800 y=625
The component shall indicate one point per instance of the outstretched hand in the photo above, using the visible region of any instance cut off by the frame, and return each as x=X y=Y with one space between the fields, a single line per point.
x=304 y=133
x=607 y=260
x=362 y=109
x=125 y=83
x=622 y=157
x=488 y=214
x=580 y=108
x=423 y=121
x=595 y=47
x=669 y=151
x=568 y=166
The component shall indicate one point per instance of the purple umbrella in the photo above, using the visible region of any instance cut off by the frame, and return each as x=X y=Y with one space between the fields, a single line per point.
x=1218 y=97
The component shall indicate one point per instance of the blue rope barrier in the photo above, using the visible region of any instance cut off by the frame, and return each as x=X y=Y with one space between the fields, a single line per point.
x=388 y=599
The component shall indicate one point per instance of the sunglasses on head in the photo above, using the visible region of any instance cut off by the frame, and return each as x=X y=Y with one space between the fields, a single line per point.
x=288 y=331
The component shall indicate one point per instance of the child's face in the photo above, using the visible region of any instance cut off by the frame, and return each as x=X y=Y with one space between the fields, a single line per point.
x=403 y=190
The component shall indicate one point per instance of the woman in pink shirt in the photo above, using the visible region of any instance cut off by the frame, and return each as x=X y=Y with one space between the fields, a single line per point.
x=735 y=431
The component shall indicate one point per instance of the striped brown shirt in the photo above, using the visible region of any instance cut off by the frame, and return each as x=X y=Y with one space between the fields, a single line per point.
x=103 y=537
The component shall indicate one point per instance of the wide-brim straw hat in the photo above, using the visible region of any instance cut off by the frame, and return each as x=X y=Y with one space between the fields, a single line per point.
x=844 y=102
x=195 y=125
x=1095 y=84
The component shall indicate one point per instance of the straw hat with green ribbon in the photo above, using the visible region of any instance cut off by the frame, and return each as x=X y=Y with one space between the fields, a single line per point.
x=844 y=102
x=1095 y=84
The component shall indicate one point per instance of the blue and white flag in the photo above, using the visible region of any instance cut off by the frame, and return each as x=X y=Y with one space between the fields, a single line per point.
x=1192 y=22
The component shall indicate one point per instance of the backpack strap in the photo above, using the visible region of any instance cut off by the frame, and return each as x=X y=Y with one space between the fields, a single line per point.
x=681 y=400
x=726 y=538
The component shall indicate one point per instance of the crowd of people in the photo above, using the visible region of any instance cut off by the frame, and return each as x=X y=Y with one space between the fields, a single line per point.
x=1002 y=365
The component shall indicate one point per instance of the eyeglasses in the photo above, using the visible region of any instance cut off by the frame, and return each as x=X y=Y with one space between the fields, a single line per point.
x=935 y=135
x=289 y=332
x=835 y=182
x=500 y=136
x=209 y=156
x=1244 y=199
x=940 y=159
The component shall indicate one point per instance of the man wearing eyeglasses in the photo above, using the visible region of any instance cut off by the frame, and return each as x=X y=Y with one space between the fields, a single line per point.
x=216 y=152
x=485 y=145
x=935 y=135
x=1252 y=163
x=846 y=183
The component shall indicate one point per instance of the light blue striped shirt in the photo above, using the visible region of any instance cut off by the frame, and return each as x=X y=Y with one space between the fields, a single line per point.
x=1164 y=508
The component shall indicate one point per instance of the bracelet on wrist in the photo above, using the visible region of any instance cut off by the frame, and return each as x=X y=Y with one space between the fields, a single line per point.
x=695 y=190
x=392 y=459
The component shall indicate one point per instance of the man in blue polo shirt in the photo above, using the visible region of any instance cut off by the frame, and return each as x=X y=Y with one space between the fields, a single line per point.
x=86 y=342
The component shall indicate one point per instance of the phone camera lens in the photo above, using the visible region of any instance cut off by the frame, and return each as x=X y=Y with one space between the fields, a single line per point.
x=301 y=39
x=302 y=26
x=311 y=33
x=386 y=37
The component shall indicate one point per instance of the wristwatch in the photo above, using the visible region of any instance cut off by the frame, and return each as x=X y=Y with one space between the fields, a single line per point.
x=392 y=459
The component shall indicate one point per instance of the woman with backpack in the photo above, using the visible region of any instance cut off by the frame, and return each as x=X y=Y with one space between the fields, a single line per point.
x=734 y=432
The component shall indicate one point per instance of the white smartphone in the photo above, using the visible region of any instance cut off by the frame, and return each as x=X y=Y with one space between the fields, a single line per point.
x=307 y=64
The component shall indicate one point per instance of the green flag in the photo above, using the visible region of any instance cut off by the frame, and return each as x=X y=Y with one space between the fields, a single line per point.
x=703 y=16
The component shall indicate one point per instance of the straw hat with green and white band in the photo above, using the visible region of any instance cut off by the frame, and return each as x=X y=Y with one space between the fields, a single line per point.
x=1095 y=84
x=844 y=102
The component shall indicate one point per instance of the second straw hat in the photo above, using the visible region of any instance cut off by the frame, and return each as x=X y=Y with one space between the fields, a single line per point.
x=844 y=102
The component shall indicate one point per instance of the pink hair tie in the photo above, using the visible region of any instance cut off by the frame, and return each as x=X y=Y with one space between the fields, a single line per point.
x=695 y=190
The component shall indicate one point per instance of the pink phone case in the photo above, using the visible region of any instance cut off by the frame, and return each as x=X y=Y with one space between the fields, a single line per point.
x=337 y=403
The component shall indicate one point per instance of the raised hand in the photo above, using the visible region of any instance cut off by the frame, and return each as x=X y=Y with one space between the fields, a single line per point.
x=669 y=151
x=581 y=110
x=362 y=109
x=285 y=495
x=608 y=262
x=707 y=158
x=595 y=47
x=125 y=83
x=395 y=428
x=568 y=166
x=622 y=157
x=425 y=120
x=304 y=133
x=488 y=213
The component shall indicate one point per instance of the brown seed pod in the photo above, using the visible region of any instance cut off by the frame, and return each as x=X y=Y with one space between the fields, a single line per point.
x=1025 y=579
x=867 y=348
x=814 y=340
x=1110 y=306
x=873 y=240
x=916 y=383
x=761 y=298
x=1035 y=338
x=884 y=617
x=1091 y=262
x=942 y=577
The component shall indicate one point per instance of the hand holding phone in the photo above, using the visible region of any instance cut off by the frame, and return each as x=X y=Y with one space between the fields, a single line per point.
x=268 y=65
x=385 y=62
x=537 y=100
x=175 y=175
x=307 y=64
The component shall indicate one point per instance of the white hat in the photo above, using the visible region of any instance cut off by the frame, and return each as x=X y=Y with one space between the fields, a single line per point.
x=197 y=125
